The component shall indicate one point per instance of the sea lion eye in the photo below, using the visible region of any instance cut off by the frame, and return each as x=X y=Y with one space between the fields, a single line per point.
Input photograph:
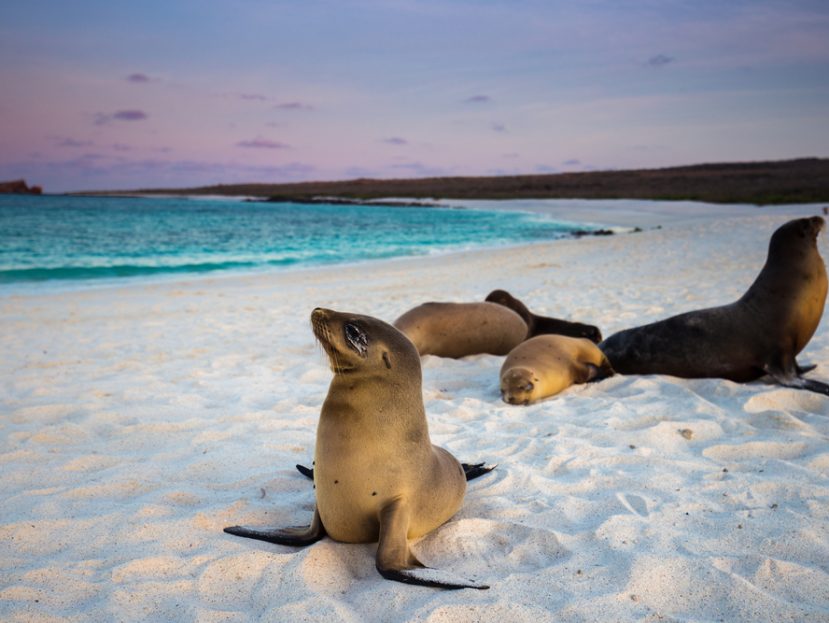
x=356 y=339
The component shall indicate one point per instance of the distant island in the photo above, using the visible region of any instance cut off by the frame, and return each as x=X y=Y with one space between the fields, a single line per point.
x=19 y=187
x=804 y=180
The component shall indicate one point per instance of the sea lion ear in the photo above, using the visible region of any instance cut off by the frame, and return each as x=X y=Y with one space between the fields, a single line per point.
x=386 y=359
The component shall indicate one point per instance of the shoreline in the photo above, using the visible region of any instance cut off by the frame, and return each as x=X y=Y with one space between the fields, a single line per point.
x=618 y=217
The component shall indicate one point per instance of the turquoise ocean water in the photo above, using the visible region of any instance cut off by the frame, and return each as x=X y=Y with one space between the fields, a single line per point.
x=57 y=240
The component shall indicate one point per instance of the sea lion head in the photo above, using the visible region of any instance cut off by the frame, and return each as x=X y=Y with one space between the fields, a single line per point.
x=502 y=297
x=796 y=236
x=518 y=386
x=354 y=342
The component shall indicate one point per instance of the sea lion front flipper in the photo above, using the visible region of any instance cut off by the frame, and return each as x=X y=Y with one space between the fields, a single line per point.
x=305 y=471
x=789 y=376
x=395 y=561
x=284 y=536
x=470 y=470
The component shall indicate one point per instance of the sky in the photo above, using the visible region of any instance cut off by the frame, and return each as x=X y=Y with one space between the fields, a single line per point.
x=114 y=95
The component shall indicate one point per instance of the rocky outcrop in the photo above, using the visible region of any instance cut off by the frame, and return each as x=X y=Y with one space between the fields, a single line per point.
x=19 y=187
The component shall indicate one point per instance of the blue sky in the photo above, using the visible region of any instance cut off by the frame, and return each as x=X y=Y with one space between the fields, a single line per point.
x=129 y=95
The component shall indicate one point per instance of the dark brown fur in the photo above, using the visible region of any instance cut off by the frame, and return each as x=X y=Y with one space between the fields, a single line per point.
x=759 y=334
x=543 y=325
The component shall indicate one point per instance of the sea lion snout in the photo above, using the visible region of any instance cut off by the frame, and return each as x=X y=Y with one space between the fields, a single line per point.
x=319 y=313
x=809 y=227
x=319 y=324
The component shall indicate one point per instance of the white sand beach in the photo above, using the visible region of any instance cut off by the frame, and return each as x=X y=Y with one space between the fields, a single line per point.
x=139 y=420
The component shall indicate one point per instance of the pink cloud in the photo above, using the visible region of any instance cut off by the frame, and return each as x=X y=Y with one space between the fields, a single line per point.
x=138 y=78
x=294 y=106
x=120 y=115
x=478 y=99
x=660 y=60
x=395 y=140
x=71 y=142
x=262 y=143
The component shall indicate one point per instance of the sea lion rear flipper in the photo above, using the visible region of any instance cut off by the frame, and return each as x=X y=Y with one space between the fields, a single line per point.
x=815 y=386
x=598 y=373
x=285 y=536
x=804 y=369
x=473 y=470
x=395 y=561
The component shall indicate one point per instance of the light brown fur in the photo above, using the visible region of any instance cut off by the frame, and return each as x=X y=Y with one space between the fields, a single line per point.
x=377 y=475
x=546 y=365
x=373 y=439
x=459 y=329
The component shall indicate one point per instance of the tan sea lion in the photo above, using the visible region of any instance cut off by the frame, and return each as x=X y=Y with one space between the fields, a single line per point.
x=545 y=365
x=542 y=325
x=459 y=329
x=759 y=334
x=377 y=476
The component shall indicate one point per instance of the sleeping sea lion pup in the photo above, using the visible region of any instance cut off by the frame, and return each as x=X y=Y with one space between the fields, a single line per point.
x=377 y=476
x=542 y=325
x=459 y=329
x=545 y=365
x=759 y=334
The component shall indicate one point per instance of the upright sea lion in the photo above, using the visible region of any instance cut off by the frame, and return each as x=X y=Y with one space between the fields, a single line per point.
x=545 y=365
x=542 y=325
x=759 y=334
x=377 y=476
x=460 y=329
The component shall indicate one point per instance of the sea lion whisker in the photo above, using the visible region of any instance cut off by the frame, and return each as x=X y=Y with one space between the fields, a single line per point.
x=338 y=368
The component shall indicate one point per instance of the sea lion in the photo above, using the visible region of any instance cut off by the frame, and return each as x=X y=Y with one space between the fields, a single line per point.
x=545 y=365
x=377 y=476
x=542 y=325
x=459 y=329
x=761 y=333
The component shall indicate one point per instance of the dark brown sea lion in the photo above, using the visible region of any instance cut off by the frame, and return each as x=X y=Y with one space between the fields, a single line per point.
x=542 y=325
x=377 y=476
x=759 y=334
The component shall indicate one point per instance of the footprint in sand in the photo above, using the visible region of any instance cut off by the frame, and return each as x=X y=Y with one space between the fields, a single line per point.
x=635 y=504
x=468 y=545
